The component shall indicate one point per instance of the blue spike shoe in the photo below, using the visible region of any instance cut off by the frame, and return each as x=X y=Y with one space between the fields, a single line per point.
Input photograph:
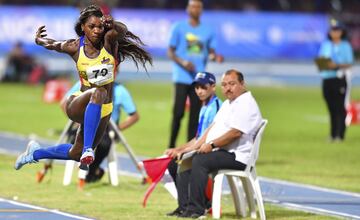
x=27 y=156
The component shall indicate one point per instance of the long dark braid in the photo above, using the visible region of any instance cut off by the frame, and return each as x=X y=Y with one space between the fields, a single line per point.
x=129 y=45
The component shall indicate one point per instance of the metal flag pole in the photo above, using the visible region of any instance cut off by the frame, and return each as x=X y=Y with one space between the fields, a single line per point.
x=123 y=141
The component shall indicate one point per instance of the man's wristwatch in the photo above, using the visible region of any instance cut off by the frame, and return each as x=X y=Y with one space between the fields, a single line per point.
x=213 y=146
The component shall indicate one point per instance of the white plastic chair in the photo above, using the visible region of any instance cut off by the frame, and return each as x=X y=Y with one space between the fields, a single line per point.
x=248 y=187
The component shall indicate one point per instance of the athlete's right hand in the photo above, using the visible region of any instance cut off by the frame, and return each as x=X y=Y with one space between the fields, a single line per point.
x=40 y=33
x=107 y=21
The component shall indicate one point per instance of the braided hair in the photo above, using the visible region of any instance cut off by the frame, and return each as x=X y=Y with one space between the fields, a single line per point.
x=129 y=45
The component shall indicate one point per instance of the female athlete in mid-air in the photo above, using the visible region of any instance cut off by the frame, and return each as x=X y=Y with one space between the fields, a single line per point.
x=102 y=44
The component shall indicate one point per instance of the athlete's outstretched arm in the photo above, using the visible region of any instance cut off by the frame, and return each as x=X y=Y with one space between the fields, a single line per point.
x=67 y=46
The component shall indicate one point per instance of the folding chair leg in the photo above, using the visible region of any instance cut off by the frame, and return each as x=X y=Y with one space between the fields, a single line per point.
x=112 y=166
x=216 y=198
x=113 y=176
x=69 y=168
x=127 y=147
x=237 y=193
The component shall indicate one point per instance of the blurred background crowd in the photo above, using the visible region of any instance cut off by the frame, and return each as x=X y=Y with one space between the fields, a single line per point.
x=280 y=30
x=324 y=6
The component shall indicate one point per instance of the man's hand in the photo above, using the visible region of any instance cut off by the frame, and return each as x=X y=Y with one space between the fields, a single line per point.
x=189 y=66
x=216 y=57
x=173 y=152
x=205 y=148
x=332 y=65
x=219 y=58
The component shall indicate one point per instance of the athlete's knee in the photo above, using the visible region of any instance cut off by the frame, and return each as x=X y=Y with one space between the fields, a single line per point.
x=98 y=95
x=75 y=152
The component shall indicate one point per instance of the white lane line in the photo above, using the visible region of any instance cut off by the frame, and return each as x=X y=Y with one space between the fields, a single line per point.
x=312 y=209
x=284 y=182
x=44 y=209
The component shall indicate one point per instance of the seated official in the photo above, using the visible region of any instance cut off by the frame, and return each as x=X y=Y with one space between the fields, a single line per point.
x=226 y=144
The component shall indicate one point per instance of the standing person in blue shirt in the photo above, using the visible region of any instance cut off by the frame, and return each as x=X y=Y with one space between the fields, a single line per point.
x=122 y=100
x=335 y=85
x=205 y=86
x=191 y=44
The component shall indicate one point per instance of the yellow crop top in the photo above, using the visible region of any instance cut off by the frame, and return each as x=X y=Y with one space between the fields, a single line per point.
x=97 y=71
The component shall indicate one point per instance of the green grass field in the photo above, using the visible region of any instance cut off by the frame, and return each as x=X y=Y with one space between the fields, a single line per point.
x=294 y=148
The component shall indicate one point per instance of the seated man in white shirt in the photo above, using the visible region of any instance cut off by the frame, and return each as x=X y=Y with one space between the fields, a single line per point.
x=226 y=144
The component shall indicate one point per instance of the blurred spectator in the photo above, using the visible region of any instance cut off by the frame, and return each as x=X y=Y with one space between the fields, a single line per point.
x=105 y=5
x=225 y=144
x=266 y=5
x=19 y=64
x=336 y=77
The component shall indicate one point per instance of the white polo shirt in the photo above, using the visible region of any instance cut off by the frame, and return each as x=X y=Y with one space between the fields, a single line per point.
x=242 y=114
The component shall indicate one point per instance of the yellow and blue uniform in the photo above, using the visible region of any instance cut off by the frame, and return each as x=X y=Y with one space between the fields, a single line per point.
x=96 y=71
x=93 y=72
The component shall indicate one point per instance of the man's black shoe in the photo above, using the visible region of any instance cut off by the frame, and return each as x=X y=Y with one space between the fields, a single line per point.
x=194 y=215
x=176 y=212
x=94 y=176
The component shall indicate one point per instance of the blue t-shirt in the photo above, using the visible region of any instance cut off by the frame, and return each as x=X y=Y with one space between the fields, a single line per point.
x=207 y=115
x=121 y=100
x=76 y=87
x=192 y=44
x=341 y=53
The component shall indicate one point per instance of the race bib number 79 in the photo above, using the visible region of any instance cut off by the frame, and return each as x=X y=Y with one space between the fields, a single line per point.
x=100 y=74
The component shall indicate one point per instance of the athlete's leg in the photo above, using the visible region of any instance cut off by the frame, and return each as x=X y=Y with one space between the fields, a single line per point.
x=63 y=151
x=86 y=109
x=75 y=108
x=101 y=130
x=77 y=149
x=102 y=150
x=34 y=153
x=76 y=105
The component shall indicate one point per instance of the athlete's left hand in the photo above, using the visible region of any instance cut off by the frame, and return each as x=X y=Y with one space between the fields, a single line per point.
x=107 y=21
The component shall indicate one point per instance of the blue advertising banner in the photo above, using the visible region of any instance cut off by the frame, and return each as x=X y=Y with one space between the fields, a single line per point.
x=241 y=35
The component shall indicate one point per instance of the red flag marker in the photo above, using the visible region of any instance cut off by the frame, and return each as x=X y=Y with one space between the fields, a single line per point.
x=155 y=169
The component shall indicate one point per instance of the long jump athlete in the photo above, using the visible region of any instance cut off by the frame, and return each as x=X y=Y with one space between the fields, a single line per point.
x=102 y=44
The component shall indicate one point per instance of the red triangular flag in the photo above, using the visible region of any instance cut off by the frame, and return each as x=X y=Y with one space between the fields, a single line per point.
x=155 y=169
